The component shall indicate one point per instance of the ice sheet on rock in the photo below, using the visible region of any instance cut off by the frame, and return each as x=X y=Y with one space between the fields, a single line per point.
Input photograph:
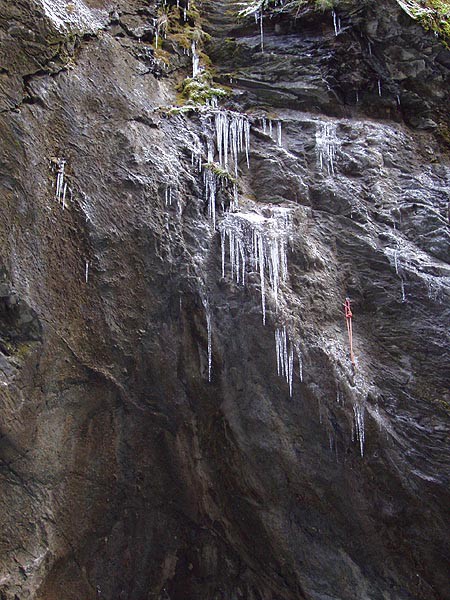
x=256 y=243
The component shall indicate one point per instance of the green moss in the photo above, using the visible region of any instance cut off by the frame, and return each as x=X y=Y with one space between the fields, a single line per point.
x=22 y=350
x=18 y=350
x=443 y=131
x=201 y=89
x=177 y=110
x=442 y=404
x=220 y=172
x=433 y=15
x=184 y=31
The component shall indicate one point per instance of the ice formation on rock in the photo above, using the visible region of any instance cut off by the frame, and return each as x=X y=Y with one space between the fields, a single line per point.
x=257 y=244
x=326 y=144
x=232 y=138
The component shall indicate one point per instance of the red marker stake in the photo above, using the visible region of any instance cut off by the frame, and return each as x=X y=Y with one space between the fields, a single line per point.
x=348 y=318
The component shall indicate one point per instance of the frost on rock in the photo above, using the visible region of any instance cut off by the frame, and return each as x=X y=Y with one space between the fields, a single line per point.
x=326 y=145
x=74 y=15
x=232 y=138
x=257 y=244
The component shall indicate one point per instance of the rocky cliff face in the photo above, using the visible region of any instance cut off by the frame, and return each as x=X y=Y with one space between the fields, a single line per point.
x=148 y=446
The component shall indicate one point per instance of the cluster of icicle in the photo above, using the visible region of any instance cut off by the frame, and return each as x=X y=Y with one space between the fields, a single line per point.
x=326 y=144
x=284 y=349
x=258 y=244
x=255 y=244
x=268 y=128
x=232 y=133
x=336 y=23
x=232 y=138
x=171 y=198
x=61 y=185
x=186 y=7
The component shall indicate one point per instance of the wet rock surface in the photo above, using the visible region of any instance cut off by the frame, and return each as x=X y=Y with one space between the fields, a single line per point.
x=125 y=473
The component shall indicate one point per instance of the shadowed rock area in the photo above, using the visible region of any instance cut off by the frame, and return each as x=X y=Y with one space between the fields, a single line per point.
x=148 y=447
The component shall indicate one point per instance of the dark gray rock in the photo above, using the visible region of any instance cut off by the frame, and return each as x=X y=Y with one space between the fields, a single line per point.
x=124 y=472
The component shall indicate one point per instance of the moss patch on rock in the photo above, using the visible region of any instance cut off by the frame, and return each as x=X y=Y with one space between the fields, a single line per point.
x=433 y=15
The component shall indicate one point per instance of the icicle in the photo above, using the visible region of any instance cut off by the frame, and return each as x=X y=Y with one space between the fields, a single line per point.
x=402 y=283
x=247 y=141
x=261 y=30
x=222 y=248
x=211 y=193
x=300 y=363
x=206 y=306
x=291 y=369
x=277 y=349
x=279 y=133
x=63 y=201
x=195 y=60
x=261 y=277
x=86 y=271
x=336 y=23
x=358 y=411
x=168 y=197
x=61 y=185
x=208 y=325
x=379 y=88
